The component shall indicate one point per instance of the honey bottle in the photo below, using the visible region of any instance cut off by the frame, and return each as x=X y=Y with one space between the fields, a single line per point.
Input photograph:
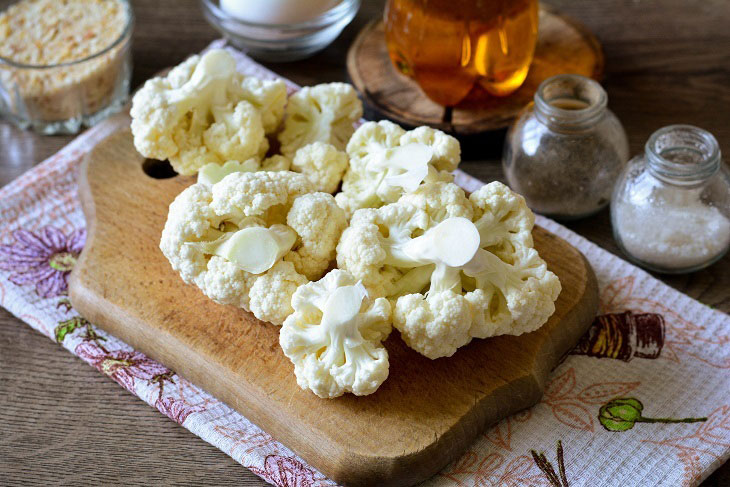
x=449 y=46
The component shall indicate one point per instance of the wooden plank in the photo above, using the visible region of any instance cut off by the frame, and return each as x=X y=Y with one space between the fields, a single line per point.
x=423 y=416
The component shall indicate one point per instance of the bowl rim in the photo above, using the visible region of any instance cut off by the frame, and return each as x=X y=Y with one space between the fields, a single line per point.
x=331 y=15
x=126 y=32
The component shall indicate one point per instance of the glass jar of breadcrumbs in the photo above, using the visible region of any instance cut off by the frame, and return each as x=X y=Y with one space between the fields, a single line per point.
x=64 y=65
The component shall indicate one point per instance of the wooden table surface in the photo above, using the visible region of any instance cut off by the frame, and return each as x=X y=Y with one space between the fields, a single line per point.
x=667 y=61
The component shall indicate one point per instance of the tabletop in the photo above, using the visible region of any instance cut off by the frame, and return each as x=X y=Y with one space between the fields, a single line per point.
x=667 y=61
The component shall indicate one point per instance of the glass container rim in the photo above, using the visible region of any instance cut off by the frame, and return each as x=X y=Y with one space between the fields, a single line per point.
x=688 y=173
x=571 y=118
x=122 y=37
x=327 y=17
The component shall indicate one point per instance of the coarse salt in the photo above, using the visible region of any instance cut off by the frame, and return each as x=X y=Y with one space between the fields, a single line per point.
x=672 y=228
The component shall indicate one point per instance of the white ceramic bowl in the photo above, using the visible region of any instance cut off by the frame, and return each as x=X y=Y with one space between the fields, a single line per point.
x=281 y=42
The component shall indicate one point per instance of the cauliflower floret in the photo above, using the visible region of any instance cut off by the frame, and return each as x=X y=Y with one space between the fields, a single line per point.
x=269 y=98
x=386 y=162
x=271 y=293
x=277 y=162
x=323 y=165
x=268 y=195
x=197 y=115
x=440 y=200
x=225 y=283
x=371 y=246
x=370 y=139
x=334 y=337
x=456 y=268
x=231 y=238
x=321 y=113
x=515 y=298
x=435 y=326
x=190 y=219
x=446 y=149
x=212 y=173
x=503 y=219
x=180 y=74
x=319 y=222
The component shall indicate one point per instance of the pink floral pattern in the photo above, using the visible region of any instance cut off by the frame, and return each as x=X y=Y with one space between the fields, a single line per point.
x=287 y=472
x=246 y=440
x=42 y=259
x=494 y=470
x=501 y=434
x=122 y=366
x=176 y=409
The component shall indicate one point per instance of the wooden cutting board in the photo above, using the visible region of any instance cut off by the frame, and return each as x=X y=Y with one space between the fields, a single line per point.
x=422 y=417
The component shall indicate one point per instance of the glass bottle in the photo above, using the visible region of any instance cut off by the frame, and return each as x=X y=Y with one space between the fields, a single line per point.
x=566 y=149
x=448 y=46
x=671 y=207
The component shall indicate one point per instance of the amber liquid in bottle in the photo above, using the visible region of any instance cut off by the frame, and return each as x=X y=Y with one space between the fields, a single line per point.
x=448 y=46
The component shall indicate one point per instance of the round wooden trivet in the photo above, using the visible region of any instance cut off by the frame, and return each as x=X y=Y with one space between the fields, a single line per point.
x=563 y=46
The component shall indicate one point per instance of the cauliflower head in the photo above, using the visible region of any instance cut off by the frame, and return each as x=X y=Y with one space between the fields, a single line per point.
x=456 y=268
x=321 y=113
x=387 y=162
x=203 y=112
x=323 y=165
x=232 y=239
x=334 y=336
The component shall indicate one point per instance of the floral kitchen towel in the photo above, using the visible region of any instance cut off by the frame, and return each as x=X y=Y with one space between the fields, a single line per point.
x=644 y=399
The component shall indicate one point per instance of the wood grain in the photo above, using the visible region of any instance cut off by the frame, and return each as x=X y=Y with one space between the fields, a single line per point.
x=563 y=46
x=422 y=417
x=667 y=61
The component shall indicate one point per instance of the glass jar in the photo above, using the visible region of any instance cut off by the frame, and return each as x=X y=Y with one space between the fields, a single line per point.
x=566 y=149
x=449 y=46
x=60 y=98
x=671 y=207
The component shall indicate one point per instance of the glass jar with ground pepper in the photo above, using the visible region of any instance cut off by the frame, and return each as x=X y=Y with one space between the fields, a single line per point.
x=566 y=149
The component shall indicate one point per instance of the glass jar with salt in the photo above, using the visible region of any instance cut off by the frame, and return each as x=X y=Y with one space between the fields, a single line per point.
x=671 y=207
x=566 y=149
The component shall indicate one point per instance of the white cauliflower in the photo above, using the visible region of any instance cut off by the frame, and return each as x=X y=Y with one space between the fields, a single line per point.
x=268 y=96
x=456 y=268
x=212 y=173
x=323 y=165
x=271 y=293
x=387 y=162
x=334 y=337
x=321 y=113
x=446 y=149
x=277 y=162
x=233 y=239
x=203 y=112
x=319 y=222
